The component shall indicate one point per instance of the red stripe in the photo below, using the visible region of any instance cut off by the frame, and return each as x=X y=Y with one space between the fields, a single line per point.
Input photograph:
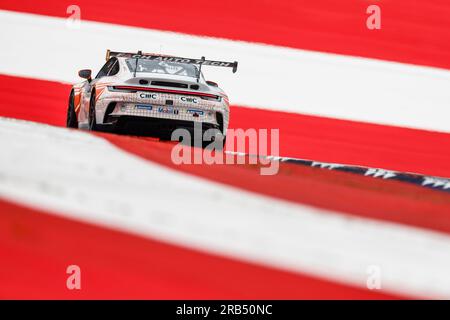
x=35 y=100
x=36 y=248
x=414 y=32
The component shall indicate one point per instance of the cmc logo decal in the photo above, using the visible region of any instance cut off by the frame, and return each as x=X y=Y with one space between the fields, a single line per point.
x=148 y=95
x=189 y=99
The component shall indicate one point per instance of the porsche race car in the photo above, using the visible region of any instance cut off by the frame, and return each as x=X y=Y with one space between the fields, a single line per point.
x=148 y=94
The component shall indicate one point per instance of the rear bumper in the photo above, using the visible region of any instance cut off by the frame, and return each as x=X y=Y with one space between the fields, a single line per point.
x=175 y=108
x=194 y=114
x=158 y=127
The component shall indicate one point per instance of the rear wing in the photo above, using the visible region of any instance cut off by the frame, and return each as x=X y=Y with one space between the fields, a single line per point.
x=158 y=57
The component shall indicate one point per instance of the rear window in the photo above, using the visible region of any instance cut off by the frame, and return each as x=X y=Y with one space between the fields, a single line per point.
x=162 y=67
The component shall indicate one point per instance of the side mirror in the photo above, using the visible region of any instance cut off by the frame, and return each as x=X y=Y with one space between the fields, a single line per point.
x=212 y=83
x=85 y=74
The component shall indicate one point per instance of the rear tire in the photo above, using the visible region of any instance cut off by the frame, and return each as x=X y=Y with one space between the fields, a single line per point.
x=71 y=119
x=92 y=120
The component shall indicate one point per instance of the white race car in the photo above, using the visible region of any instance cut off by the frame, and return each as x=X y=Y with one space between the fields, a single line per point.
x=147 y=94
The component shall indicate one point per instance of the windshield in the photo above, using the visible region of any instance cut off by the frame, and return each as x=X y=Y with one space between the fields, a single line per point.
x=152 y=66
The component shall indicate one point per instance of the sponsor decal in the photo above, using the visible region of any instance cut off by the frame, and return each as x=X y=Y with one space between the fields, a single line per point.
x=189 y=99
x=144 y=107
x=148 y=95
x=168 y=110
x=195 y=112
x=183 y=60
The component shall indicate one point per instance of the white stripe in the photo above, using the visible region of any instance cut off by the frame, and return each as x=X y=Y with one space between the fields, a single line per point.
x=84 y=177
x=268 y=77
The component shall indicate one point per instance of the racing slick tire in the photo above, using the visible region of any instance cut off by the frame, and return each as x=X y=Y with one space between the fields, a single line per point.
x=92 y=120
x=71 y=120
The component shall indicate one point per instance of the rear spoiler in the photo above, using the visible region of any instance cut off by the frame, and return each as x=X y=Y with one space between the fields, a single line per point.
x=156 y=57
